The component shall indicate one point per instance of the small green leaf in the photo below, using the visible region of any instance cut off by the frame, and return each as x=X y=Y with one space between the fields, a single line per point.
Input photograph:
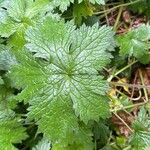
x=135 y=43
x=7 y=26
x=11 y=132
x=11 y=129
x=141 y=136
x=83 y=9
x=17 y=15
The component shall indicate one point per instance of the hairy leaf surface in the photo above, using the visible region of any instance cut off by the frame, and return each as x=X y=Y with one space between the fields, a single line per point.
x=59 y=76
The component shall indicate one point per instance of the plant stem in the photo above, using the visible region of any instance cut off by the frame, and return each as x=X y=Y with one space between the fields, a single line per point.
x=121 y=70
x=130 y=85
x=118 y=18
x=113 y=3
x=129 y=106
x=123 y=122
x=115 y=7
x=142 y=80
x=107 y=20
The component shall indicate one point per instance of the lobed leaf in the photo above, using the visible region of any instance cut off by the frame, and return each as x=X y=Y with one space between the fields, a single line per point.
x=11 y=132
x=135 y=43
x=59 y=77
x=141 y=136
x=17 y=15
x=11 y=129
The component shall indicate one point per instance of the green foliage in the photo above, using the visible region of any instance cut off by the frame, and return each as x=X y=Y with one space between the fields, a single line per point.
x=11 y=132
x=17 y=15
x=6 y=58
x=1 y=81
x=11 y=129
x=101 y=133
x=141 y=7
x=42 y=145
x=141 y=137
x=65 y=84
x=135 y=43
x=65 y=3
x=81 y=10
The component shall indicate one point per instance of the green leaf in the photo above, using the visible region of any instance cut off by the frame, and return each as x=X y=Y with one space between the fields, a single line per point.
x=11 y=132
x=80 y=141
x=83 y=9
x=61 y=4
x=60 y=78
x=7 y=26
x=21 y=9
x=101 y=133
x=6 y=58
x=7 y=102
x=17 y=15
x=141 y=136
x=96 y=1
x=11 y=129
x=42 y=145
x=135 y=43
x=58 y=121
x=65 y=3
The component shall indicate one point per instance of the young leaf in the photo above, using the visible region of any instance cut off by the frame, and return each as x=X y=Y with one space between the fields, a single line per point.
x=83 y=9
x=11 y=132
x=60 y=80
x=135 y=43
x=141 y=136
x=17 y=15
